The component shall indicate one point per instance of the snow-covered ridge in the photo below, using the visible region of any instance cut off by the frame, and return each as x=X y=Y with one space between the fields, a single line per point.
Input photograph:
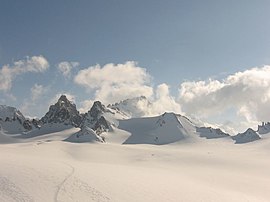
x=165 y=129
x=113 y=123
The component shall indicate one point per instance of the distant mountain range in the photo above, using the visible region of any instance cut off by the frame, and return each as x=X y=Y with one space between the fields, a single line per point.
x=122 y=122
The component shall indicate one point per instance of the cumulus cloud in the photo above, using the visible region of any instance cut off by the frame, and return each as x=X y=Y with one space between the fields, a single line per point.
x=163 y=101
x=33 y=64
x=247 y=93
x=66 y=68
x=115 y=82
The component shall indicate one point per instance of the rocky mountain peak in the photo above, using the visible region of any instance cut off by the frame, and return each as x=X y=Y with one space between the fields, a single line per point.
x=95 y=119
x=97 y=109
x=63 y=99
x=64 y=102
x=63 y=111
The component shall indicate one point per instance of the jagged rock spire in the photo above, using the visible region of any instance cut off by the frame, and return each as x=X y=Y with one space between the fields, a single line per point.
x=63 y=111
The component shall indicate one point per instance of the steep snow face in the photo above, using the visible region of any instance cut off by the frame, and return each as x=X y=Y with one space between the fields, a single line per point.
x=63 y=111
x=131 y=108
x=264 y=128
x=164 y=129
x=210 y=133
x=248 y=136
x=12 y=120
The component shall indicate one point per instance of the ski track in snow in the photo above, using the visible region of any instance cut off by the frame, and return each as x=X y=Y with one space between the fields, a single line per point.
x=60 y=186
x=95 y=195
x=9 y=190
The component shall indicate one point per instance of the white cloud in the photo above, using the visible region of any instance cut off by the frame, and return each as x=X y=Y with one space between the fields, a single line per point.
x=66 y=67
x=163 y=101
x=33 y=64
x=115 y=82
x=247 y=93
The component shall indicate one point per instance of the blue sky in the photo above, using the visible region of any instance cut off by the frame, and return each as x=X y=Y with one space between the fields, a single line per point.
x=175 y=41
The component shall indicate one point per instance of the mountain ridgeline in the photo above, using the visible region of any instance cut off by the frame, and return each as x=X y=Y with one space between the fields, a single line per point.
x=123 y=119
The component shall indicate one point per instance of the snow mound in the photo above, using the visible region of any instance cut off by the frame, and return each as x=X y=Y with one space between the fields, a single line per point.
x=248 y=136
x=165 y=129
x=86 y=134
x=210 y=133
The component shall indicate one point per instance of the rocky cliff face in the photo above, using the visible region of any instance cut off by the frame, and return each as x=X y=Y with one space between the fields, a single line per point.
x=63 y=111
